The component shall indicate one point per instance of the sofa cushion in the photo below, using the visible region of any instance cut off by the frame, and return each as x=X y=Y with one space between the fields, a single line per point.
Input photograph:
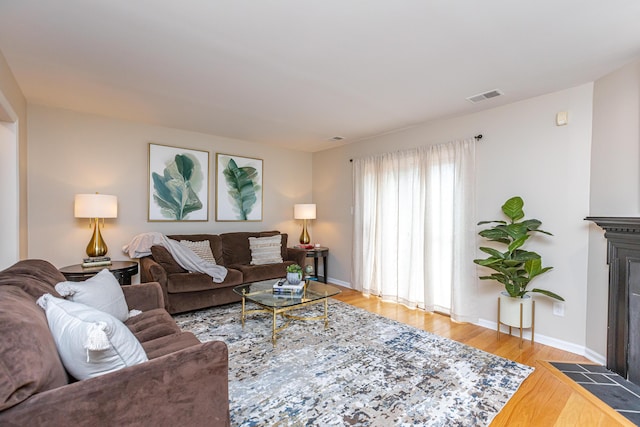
x=162 y=256
x=90 y=342
x=152 y=324
x=101 y=291
x=189 y=282
x=169 y=344
x=255 y=273
x=235 y=246
x=35 y=276
x=29 y=361
x=265 y=250
x=201 y=248
x=194 y=282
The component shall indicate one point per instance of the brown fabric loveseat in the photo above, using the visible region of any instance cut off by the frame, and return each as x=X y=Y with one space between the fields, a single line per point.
x=184 y=382
x=186 y=291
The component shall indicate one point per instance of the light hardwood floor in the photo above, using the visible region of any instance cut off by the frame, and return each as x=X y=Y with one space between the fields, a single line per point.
x=544 y=398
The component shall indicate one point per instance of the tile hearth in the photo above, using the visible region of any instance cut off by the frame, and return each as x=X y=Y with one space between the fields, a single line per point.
x=611 y=388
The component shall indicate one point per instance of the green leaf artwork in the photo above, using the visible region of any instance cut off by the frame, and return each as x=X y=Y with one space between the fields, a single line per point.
x=175 y=188
x=242 y=187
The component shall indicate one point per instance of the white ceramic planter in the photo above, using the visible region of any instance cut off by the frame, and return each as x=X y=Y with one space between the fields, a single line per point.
x=510 y=310
x=294 y=278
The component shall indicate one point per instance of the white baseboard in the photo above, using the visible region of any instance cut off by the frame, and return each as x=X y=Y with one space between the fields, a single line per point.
x=339 y=282
x=550 y=341
x=596 y=357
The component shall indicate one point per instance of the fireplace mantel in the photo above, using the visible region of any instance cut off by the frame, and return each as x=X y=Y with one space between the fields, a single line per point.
x=623 y=328
x=617 y=224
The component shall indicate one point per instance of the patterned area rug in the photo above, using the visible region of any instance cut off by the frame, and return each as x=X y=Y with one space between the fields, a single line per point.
x=363 y=370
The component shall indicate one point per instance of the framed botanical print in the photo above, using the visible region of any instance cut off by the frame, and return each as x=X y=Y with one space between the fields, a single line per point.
x=238 y=188
x=178 y=184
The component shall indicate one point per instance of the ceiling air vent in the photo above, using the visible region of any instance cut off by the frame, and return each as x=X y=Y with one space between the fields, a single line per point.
x=484 y=96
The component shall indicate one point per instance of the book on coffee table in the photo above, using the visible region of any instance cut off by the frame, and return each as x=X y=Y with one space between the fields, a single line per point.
x=283 y=286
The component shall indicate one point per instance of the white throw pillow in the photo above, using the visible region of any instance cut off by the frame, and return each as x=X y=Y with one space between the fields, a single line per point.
x=202 y=248
x=265 y=250
x=90 y=342
x=101 y=291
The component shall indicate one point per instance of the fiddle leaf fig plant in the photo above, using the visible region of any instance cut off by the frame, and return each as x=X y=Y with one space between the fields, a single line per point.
x=514 y=267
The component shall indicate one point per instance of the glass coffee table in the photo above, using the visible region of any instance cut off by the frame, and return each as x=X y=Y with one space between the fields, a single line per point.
x=262 y=294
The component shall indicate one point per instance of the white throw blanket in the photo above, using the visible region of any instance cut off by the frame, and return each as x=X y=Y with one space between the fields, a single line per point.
x=140 y=246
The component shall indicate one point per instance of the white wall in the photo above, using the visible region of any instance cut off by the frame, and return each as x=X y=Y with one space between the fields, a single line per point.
x=615 y=181
x=522 y=153
x=73 y=153
x=13 y=185
x=9 y=215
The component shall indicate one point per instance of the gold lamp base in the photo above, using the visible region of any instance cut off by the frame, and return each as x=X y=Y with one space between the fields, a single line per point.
x=304 y=236
x=96 y=246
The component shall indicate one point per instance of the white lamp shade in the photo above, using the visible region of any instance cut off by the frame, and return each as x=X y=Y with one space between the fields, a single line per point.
x=95 y=206
x=304 y=211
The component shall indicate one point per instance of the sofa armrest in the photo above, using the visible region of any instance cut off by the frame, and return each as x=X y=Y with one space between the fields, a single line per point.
x=188 y=387
x=151 y=271
x=144 y=297
x=296 y=255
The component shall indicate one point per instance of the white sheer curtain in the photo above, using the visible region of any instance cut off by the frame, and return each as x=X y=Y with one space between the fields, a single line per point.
x=414 y=227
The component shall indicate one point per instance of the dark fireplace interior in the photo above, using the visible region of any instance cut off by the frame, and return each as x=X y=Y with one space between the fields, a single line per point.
x=623 y=329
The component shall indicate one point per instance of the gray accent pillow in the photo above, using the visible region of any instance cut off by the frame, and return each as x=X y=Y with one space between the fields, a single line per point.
x=101 y=291
x=90 y=342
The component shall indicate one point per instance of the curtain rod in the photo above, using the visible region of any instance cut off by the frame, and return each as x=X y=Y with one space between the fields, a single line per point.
x=478 y=137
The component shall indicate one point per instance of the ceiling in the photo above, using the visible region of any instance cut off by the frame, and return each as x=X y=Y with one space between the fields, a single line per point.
x=295 y=73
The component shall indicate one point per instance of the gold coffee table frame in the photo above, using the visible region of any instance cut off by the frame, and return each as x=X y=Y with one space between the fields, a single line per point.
x=261 y=294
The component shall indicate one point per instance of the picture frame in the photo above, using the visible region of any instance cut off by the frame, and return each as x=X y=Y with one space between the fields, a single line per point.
x=238 y=188
x=172 y=172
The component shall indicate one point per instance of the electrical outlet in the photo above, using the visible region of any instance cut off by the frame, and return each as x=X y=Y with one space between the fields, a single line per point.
x=558 y=309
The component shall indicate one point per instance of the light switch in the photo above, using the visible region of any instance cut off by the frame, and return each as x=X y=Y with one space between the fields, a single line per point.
x=562 y=118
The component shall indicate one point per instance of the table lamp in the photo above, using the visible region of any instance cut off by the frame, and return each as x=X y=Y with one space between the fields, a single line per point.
x=304 y=212
x=96 y=207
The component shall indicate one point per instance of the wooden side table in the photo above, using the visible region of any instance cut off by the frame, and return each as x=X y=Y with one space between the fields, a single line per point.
x=122 y=270
x=316 y=253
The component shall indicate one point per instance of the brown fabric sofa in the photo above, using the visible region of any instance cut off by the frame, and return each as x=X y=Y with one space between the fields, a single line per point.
x=184 y=382
x=186 y=291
